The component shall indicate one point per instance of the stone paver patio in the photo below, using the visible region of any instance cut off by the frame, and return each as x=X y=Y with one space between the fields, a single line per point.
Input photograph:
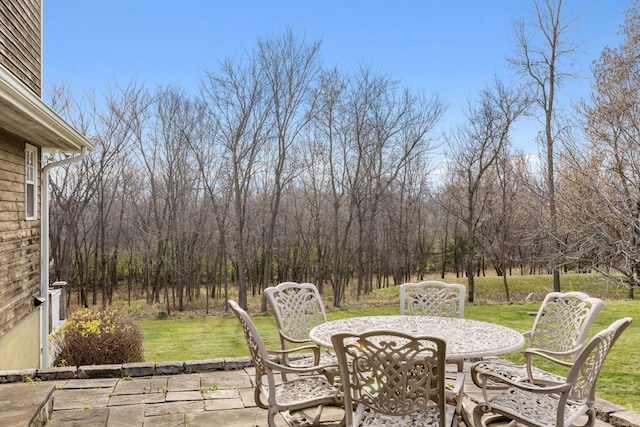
x=193 y=394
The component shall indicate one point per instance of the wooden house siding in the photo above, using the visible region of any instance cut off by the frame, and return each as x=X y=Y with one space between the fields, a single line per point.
x=21 y=41
x=19 y=238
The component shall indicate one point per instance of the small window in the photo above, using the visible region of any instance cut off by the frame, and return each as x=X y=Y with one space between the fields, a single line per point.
x=30 y=181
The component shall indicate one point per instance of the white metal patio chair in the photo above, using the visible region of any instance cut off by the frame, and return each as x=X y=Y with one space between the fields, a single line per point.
x=563 y=403
x=304 y=392
x=297 y=308
x=394 y=379
x=559 y=331
x=432 y=298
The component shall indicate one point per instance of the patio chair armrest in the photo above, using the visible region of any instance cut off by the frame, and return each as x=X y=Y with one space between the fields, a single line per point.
x=486 y=376
x=552 y=356
x=482 y=376
x=316 y=369
x=458 y=384
x=294 y=340
x=314 y=348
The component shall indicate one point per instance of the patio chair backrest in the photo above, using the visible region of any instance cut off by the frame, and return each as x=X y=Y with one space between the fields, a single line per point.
x=563 y=321
x=255 y=343
x=586 y=369
x=432 y=298
x=389 y=373
x=297 y=308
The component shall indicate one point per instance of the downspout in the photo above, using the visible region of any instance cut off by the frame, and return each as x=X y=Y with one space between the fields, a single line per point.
x=44 y=253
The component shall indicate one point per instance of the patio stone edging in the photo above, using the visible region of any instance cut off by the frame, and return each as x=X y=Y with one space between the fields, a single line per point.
x=139 y=369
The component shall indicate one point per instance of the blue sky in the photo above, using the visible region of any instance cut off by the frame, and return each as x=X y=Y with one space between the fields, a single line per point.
x=451 y=47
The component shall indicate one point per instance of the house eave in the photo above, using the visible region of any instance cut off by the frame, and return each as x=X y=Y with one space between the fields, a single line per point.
x=24 y=114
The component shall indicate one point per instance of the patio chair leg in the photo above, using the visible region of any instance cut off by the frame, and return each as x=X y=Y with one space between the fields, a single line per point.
x=499 y=419
x=271 y=417
x=257 y=396
x=465 y=415
x=317 y=415
x=485 y=419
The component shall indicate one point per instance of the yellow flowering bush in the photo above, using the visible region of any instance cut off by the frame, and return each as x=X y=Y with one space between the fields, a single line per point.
x=91 y=337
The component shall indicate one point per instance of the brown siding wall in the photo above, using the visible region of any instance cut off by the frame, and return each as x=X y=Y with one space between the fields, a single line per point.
x=21 y=41
x=19 y=238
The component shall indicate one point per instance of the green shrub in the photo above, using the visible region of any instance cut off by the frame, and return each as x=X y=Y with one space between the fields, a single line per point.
x=96 y=338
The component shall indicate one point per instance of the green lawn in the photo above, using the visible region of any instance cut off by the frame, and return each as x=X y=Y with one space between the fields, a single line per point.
x=211 y=337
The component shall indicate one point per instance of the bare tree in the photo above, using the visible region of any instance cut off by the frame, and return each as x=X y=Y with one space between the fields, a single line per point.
x=176 y=125
x=410 y=223
x=239 y=109
x=541 y=49
x=329 y=149
x=290 y=68
x=216 y=181
x=390 y=128
x=71 y=189
x=603 y=179
x=503 y=213
x=110 y=164
x=474 y=149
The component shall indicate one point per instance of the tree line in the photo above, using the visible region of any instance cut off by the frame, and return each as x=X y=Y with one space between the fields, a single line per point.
x=278 y=169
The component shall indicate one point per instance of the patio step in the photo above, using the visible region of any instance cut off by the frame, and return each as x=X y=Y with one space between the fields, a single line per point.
x=26 y=404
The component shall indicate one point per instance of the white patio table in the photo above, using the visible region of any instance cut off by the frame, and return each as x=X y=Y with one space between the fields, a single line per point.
x=465 y=338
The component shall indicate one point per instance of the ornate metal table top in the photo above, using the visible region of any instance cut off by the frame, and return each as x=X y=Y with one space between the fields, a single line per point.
x=466 y=339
